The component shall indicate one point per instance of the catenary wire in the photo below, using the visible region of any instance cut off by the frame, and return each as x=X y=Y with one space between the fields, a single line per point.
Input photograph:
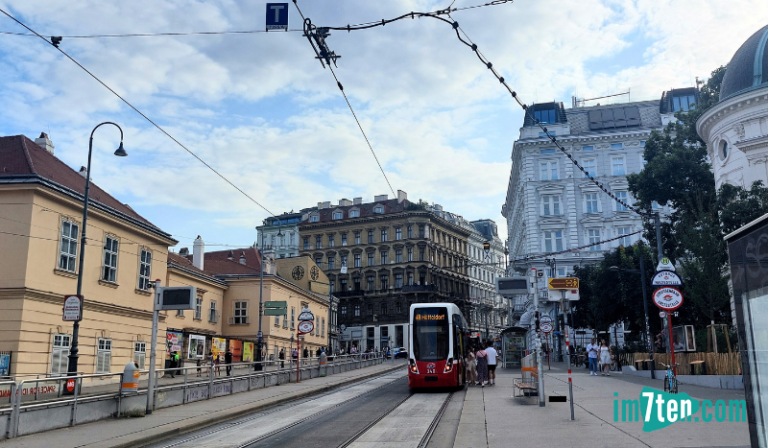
x=160 y=128
x=192 y=33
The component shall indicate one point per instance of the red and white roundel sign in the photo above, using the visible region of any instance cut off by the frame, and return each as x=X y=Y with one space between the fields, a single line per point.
x=70 y=385
x=668 y=298
x=306 y=326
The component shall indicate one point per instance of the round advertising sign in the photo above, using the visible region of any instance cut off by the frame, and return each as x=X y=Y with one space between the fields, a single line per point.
x=306 y=326
x=668 y=298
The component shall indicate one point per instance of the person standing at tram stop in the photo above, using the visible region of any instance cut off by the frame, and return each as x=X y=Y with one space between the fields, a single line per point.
x=492 y=357
x=281 y=357
x=605 y=358
x=174 y=363
x=471 y=367
x=592 y=352
x=228 y=361
x=482 y=367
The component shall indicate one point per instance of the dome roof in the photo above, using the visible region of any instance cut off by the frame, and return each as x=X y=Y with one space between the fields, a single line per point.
x=748 y=69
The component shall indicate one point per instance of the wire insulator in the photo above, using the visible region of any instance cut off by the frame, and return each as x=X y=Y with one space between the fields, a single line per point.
x=490 y=65
x=474 y=47
x=501 y=80
x=455 y=25
x=340 y=86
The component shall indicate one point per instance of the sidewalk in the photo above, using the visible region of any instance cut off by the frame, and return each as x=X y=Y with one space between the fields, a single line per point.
x=492 y=418
x=132 y=432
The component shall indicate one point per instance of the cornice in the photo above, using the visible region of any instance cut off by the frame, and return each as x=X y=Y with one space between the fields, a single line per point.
x=728 y=107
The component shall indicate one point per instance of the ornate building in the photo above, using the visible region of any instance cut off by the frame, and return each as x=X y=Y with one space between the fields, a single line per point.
x=382 y=256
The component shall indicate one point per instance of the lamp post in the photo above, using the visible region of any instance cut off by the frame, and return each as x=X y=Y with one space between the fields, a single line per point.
x=120 y=152
x=260 y=335
x=645 y=309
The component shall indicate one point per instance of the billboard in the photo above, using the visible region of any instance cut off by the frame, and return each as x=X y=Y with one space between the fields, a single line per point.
x=236 y=346
x=196 y=347
x=218 y=347
x=684 y=338
x=248 y=351
x=173 y=342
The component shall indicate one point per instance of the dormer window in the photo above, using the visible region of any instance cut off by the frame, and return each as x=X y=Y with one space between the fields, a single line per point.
x=337 y=215
x=378 y=209
x=545 y=116
x=354 y=213
x=314 y=218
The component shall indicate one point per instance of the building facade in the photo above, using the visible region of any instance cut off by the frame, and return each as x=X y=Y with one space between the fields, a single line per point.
x=487 y=262
x=382 y=256
x=281 y=233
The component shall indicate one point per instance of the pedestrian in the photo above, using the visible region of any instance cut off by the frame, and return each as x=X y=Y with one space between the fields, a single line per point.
x=295 y=354
x=592 y=352
x=211 y=364
x=174 y=363
x=492 y=357
x=217 y=362
x=317 y=352
x=228 y=361
x=605 y=358
x=306 y=353
x=471 y=368
x=281 y=357
x=199 y=366
x=482 y=367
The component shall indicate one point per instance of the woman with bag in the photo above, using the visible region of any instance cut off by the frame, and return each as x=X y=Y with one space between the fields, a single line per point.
x=605 y=358
x=471 y=368
x=482 y=367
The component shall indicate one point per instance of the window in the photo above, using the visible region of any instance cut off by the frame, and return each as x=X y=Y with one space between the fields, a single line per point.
x=314 y=218
x=683 y=103
x=398 y=308
x=343 y=285
x=384 y=282
x=421 y=231
x=241 y=313
x=410 y=231
x=547 y=151
x=343 y=239
x=337 y=215
x=622 y=196
x=322 y=327
x=140 y=353
x=180 y=313
x=331 y=241
x=642 y=143
x=212 y=316
x=104 y=356
x=371 y=260
x=620 y=231
x=593 y=236
x=398 y=234
x=199 y=308
x=145 y=269
x=589 y=148
x=331 y=285
x=421 y=254
x=591 y=203
x=399 y=256
x=60 y=353
x=68 y=246
x=384 y=309
x=331 y=262
x=343 y=310
x=378 y=210
x=357 y=283
x=398 y=280
x=553 y=241
x=358 y=261
x=617 y=145
x=383 y=235
x=357 y=237
x=371 y=283
x=370 y=236
x=544 y=116
x=109 y=272
x=354 y=213
x=550 y=205
x=548 y=171
x=410 y=254
x=343 y=261
x=306 y=242
x=590 y=166
x=643 y=162
x=318 y=242
x=293 y=318
x=410 y=279
x=618 y=166
x=357 y=310
x=370 y=312
x=384 y=257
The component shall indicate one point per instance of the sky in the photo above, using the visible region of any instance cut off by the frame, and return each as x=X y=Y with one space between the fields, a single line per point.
x=262 y=111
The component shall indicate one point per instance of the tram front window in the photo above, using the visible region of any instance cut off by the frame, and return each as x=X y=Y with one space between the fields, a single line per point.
x=430 y=334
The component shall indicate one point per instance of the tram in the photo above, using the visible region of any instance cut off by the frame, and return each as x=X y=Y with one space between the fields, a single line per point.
x=513 y=346
x=438 y=341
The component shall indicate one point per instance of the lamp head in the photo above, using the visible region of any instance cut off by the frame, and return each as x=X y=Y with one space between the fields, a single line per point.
x=614 y=268
x=120 y=152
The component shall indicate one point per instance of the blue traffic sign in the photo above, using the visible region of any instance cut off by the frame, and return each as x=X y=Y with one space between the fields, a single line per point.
x=277 y=16
x=557 y=332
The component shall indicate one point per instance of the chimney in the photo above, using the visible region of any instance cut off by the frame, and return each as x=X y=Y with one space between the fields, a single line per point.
x=231 y=256
x=327 y=204
x=401 y=196
x=44 y=142
x=380 y=198
x=344 y=202
x=242 y=257
x=198 y=253
x=83 y=171
x=357 y=201
x=184 y=252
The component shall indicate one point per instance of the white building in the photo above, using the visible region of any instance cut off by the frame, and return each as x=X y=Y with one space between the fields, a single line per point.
x=281 y=233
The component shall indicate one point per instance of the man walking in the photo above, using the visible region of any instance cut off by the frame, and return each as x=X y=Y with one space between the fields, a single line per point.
x=281 y=357
x=228 y=361
x=492 y=356
x=592 y=350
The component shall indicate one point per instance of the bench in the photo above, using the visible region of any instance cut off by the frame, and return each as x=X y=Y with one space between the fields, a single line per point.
x=703 y=365
x=527 y=386
x=640 y=363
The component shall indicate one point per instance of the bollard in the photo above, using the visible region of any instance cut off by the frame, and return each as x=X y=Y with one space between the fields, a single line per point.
x=323 y=360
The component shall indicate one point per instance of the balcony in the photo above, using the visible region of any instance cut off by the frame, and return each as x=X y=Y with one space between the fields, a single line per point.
x=419 y=288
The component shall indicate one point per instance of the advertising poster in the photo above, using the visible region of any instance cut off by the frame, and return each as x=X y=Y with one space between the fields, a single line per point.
x=219 y=346
x=196 y=347
x=248 y=351
x=678 y=336
x=237 y=349
x=5 y=364
x=173 y=342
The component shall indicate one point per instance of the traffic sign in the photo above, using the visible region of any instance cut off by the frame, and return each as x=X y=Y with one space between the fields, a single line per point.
x=70 y=385
x=668 y=298
x=306 y=314
x=665 y=265
x=277 y=16
x=564 y=283
x=306 y=326
x=662 y=314
x=545 y=324
x=275 y=311
x=73 y=308
x=666 y=278
x=277 y=304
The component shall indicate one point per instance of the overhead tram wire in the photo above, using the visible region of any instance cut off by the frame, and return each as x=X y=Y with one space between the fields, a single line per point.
x=168 y=34
x=160 y=128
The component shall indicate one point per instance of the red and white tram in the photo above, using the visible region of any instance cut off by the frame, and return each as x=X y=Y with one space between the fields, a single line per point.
x=438 y=341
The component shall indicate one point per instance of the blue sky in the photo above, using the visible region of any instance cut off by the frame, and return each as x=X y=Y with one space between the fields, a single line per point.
x=262 y=111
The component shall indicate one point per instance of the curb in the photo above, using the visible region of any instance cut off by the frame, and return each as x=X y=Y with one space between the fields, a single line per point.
x=202 y=422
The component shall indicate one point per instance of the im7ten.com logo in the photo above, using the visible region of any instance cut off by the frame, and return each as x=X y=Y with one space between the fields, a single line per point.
x=658 y=409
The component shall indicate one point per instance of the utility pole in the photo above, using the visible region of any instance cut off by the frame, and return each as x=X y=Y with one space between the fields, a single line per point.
x=538 y=338
x=645 y=307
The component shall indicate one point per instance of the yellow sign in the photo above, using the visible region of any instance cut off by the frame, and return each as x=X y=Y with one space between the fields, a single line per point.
x=564 y=283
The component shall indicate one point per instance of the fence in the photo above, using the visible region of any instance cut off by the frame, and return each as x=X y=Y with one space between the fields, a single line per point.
x=39 y=404
x=716 y=363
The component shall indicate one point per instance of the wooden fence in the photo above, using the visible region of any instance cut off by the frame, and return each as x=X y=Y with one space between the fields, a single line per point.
x=717 y=363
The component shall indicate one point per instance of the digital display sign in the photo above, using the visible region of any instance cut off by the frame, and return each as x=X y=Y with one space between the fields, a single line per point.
x=509 y=286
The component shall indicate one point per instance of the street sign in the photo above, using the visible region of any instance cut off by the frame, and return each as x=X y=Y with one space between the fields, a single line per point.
x=564 y=283
x=666 y=278
x=662 y=314
x=665 y=265
x=668 y=298
x=275 y=311
x=556 y=295
x=277 y=16
x=73 y=308
x=306 y=314
x=510 y=286
x=545 y=324
x=306 y=326
x=280 y=304
x=71 y=386
x=343 y=327
x=259 y=335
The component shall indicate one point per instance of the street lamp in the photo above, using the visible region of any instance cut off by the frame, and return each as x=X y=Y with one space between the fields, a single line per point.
x=120 y=152
x=645 y=308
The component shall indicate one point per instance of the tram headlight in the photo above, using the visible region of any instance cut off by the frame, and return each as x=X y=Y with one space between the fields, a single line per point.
x=413 y=367
x=448 y=365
